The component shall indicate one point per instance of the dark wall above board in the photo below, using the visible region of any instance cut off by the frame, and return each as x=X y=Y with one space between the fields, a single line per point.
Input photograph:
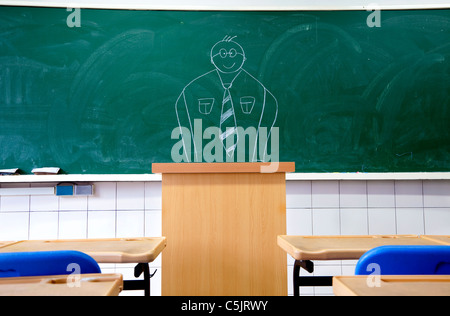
x=105 y=91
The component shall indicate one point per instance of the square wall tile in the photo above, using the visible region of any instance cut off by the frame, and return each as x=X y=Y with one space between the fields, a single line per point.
x=325 y=194
x=43 y=225
x=104 y=198
x=130 y=196
x=326 y=222
x=382 y=221
x=101 y=224
x=380 y=194
x=15 y=204
x=14 y=226
x=410 y=221
x=153 y=195
x=436 y=193
x=353 y=194
x=73 y=225
x=130 y=224
x=354 y=221
x=298 y=194
x=408 y=194
x=299 y=222
x=437 y=221
x=153 y=223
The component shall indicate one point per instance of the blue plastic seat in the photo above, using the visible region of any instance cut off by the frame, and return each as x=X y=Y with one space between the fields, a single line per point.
x=405 y=260
x=21 y=264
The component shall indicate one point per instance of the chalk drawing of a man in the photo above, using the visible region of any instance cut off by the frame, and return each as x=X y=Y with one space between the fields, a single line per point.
x=228 y=97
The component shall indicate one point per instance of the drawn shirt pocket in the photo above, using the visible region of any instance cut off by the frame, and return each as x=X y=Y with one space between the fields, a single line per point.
x=205 y=105
x=247 y=104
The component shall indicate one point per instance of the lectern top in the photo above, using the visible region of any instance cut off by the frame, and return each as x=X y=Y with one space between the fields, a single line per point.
x=238 y=167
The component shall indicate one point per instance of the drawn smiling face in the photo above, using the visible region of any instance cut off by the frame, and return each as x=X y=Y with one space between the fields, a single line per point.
x=228 y=56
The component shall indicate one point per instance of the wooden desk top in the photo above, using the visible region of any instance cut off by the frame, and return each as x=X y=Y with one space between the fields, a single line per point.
x=116 y=250
x=90 y=285
x=224 y=167
x=342 y=247
x=425 y=285
x=6 y=243
x=444 y=240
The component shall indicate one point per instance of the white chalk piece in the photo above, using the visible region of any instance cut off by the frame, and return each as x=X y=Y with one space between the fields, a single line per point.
x=46 y=170
x=9 y=172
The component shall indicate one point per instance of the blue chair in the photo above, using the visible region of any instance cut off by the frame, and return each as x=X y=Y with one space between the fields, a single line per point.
x=21 y=264
x=405 y=260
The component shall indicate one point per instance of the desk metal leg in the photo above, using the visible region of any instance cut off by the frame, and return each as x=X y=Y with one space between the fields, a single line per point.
x=308 y=280
x=129 y=285
x=296 y=278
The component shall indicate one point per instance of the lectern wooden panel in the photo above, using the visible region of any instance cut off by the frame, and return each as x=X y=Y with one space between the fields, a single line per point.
x=221 y=228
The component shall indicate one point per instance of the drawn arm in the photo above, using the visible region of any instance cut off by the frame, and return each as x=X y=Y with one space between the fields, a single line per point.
x=184 y=123
x=266 y=128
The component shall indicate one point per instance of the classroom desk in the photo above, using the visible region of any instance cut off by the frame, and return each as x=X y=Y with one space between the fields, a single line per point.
x=89 y=285
x=391 y=285
x=304 y=249
x=114 y=250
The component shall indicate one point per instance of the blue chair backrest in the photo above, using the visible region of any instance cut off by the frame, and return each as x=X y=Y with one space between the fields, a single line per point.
x=20 y=264
x=405 y=260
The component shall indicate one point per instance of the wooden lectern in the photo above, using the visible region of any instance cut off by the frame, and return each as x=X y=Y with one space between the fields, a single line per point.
x=221 y=221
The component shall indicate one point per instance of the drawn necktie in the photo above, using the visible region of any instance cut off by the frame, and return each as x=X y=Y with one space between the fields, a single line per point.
x=228 y=127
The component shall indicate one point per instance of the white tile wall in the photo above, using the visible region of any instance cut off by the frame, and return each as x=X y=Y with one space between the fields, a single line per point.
x=361 y=208
x=133 y=209
x=122 y=209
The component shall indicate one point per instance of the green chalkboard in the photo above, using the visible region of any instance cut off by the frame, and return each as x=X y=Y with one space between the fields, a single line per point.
x=106 y=91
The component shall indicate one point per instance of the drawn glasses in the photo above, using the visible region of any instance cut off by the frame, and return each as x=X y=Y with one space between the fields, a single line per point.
x=232 y=53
